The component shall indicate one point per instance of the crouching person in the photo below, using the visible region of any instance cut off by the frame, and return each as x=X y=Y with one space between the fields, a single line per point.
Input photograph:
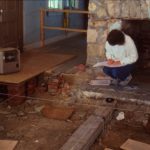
x=120 y=50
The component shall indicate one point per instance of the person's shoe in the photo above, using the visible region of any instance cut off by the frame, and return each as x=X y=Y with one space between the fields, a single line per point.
x=126 y=81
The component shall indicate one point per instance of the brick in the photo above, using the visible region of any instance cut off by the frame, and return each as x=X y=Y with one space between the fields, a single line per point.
x=16 y=94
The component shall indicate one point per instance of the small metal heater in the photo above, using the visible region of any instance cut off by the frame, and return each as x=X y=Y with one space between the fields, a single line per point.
x=9 y=60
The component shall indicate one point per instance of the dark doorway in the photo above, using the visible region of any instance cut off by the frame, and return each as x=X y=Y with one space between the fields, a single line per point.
x=86 y=5
x=11 y=23
x=139 y=30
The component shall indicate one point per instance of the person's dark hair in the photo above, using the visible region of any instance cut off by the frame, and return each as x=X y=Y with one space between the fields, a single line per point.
x=116 y=37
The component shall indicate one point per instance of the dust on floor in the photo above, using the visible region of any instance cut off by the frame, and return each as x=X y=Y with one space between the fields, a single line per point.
x=132 y=127
x=26 y=124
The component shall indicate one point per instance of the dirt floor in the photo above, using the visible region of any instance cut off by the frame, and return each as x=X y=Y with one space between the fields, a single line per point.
x=118 y=133
x=132 y=127
x=34 y=131
x=121 y=131
x=26 y=124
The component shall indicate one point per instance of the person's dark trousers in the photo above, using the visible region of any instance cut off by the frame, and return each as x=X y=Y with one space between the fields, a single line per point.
x=119 y=73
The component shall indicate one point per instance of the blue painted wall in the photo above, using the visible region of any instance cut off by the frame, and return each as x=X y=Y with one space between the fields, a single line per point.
x=32 y=21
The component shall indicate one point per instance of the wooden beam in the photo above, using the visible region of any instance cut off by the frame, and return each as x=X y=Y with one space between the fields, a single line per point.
x=85 y=135
x=65 y=29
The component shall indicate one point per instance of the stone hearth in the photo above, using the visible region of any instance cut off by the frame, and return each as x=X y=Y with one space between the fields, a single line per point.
x=106 y=15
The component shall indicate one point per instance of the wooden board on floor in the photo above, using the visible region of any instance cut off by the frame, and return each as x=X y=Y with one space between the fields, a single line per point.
x=85 y=135
x=33 y=63
x=7 y=144
x=135 y=145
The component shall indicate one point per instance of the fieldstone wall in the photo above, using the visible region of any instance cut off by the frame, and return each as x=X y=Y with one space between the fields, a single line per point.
x=106 y=15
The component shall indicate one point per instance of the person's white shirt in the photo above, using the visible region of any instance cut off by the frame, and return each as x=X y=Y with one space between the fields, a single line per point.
x=126 y=53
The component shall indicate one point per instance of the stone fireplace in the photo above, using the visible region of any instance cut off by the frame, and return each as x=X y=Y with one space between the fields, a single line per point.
x=109 y=14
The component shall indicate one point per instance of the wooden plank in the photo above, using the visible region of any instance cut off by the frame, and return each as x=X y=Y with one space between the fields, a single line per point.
x=135 y=145
x=102 y=82
x=67 y=11
x=34 y=63
x=104 y=112
x=65 y=29
x=7 y=144
x=85 y=135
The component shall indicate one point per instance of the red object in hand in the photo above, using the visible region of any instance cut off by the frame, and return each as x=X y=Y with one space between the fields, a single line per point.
x=112 y=62
x=116 y=63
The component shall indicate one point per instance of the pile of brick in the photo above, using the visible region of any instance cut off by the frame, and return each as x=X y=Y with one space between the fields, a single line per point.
x=58 y=85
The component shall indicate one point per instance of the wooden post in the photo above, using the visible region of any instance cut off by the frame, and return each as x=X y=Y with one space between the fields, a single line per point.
x=42 y=35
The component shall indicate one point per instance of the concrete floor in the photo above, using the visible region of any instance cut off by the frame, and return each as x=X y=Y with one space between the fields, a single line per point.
x=75 y=45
